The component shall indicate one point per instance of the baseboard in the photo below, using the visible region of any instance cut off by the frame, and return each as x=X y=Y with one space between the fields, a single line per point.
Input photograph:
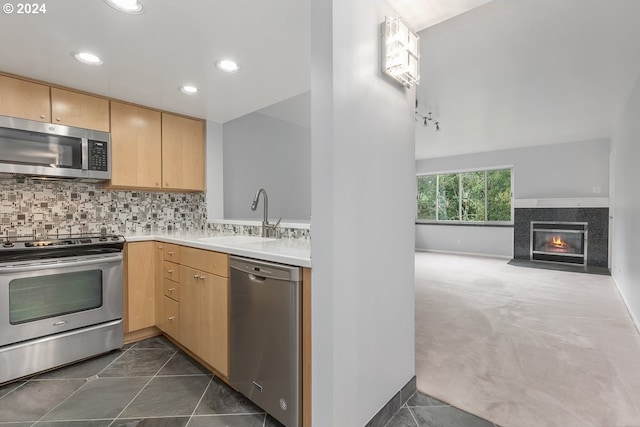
x=141 y=334
x=634 y=319
x=393 y=406
x=438 y=251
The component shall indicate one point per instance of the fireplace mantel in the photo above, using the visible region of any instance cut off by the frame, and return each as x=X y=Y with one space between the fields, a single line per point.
x=578 y=202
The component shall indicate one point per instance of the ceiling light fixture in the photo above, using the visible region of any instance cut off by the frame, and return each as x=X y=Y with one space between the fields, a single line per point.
x=132 y=7
x=189 y=90
x=87 y=58
x=228 y=66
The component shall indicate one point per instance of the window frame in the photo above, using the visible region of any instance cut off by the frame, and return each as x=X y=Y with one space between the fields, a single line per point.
x=486 y=203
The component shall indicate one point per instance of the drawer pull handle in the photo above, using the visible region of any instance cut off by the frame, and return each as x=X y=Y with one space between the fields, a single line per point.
x=171 y=289
x=171 y=318
x=195 y=276
x=170 y=271
x=170 y=253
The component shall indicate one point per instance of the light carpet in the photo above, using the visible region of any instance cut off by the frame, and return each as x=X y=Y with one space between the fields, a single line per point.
x=525 y=347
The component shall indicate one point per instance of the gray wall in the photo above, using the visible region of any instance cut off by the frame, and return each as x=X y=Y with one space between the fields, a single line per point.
x=363 y=170
x=261 y=151
x=215 y=171
x=568 y=170
x=626 y=204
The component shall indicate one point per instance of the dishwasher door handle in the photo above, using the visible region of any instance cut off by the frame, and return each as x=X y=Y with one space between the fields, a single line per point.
x=255 y=278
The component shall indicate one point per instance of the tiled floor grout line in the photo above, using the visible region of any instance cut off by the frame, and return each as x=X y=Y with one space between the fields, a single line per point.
x=200 y=400
x=143 y=387
x=413 y=416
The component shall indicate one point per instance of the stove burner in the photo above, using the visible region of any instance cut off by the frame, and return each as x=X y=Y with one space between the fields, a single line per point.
x=7 y=244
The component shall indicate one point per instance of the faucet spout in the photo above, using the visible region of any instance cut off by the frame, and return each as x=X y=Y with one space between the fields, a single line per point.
x=254 y=206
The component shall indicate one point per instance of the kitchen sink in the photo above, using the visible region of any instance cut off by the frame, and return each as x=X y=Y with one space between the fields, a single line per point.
x=235 y=240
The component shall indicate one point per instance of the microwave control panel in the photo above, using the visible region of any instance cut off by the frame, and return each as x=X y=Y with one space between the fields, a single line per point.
x=98 y=160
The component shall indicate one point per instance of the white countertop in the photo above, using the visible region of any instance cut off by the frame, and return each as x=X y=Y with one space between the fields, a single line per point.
x=286 y=251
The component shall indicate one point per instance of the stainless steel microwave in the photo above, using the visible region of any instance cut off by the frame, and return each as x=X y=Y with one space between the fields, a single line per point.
x=35 y=148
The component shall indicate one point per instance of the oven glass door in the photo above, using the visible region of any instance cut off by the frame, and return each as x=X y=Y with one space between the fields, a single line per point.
x=43 y=297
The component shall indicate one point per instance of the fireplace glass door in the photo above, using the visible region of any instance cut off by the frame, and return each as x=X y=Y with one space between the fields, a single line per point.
x=559 y=242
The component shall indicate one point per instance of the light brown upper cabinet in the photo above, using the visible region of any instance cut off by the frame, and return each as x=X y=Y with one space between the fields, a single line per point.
x=25 y=100
x=79 y=110
x=183 y=153
x=136 y=146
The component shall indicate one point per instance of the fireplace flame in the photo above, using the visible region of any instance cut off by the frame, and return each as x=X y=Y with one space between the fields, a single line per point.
x=559 y=243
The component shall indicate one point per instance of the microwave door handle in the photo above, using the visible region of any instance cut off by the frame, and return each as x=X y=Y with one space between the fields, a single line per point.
x=85 y=153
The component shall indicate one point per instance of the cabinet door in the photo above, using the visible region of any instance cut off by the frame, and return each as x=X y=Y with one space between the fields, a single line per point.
x=140 y=285
x=183 y=153
x=190 y=296
x=80 y=110
x=136 y=146
x=214 y=311
x=26 y=100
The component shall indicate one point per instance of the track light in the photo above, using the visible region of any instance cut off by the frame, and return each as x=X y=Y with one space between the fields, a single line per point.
x=426 y=119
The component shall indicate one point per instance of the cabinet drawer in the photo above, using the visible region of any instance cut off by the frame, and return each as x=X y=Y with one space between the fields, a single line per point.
x=171 y=270
x=209 y=261
x=171 y=289
x=172 y=318
x=172 y=252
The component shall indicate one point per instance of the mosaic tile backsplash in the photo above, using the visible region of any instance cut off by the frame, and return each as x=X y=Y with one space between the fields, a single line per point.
x=48 y=208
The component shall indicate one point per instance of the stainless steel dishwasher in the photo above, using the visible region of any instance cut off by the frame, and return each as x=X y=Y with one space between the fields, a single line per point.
x=265 y=336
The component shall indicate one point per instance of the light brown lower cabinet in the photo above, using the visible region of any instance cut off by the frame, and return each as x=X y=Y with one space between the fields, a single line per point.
x=139 y=286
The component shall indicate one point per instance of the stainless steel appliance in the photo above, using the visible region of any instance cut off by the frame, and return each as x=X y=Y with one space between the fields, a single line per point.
x=61 y=300
x=35 y=148
x=265 y=336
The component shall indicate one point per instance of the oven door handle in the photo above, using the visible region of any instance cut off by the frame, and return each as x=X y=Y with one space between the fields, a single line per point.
x=61 y=262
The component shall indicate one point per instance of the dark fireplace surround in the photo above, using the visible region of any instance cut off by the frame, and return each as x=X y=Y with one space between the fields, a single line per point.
x=598 y=230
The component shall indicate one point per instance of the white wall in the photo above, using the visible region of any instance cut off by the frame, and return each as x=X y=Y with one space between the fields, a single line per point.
x=261 y=151
x=214 y=168
x=626 y=205
x=494 y=241
x=363 y=173
x=568 y=170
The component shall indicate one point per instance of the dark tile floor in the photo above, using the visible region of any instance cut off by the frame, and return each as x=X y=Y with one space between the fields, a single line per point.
x=152 y=383
x=424 y=411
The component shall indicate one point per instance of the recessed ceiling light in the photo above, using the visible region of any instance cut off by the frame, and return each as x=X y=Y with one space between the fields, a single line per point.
x=88 y=58
x=228 y=66
x=189 y=90
x=127 y=6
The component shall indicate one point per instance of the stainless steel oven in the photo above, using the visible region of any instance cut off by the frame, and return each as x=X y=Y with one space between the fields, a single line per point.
x=60 y=301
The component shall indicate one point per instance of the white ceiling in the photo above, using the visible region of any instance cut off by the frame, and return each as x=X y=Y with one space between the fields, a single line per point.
x=515 y=73
x=149 y=56
x=421 y=14
x=497 y=74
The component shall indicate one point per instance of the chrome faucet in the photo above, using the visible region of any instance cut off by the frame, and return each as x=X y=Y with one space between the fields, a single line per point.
x=265 y=218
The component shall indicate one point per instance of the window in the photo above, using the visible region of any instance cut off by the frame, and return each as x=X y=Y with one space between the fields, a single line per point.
x=478 y=196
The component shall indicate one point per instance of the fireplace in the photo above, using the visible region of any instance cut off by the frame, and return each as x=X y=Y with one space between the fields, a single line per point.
x=562 y=242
